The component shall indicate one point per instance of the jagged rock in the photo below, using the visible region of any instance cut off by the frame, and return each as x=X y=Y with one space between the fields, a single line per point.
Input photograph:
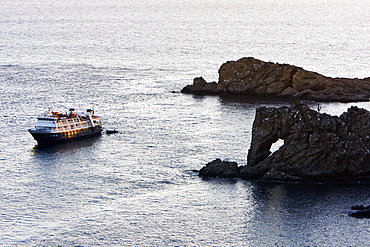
x=359 y=207
x=222 y=169
x=254 y=77
x=362 y=212
x=200 y=86
x=316 y=146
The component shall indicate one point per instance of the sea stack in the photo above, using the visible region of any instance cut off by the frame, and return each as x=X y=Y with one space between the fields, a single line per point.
x=252 y=77
x=317 y=146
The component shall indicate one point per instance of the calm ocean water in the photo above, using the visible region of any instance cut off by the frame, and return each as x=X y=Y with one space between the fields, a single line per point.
x=128 y=60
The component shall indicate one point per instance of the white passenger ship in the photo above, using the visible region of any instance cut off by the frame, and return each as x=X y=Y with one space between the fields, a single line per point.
x=54 y=127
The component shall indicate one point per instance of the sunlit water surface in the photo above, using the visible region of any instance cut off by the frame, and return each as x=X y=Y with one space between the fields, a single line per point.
x=128 y=60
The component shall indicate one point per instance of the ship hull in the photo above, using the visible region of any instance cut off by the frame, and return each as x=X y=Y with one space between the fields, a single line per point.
x=47 y=138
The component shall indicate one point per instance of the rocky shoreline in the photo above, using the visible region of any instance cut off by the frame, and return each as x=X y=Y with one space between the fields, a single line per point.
x=317 y=147
x=252 y=77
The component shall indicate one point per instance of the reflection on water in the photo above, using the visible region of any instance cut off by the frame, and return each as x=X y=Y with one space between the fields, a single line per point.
x=254 y=100
x=44 y=153
x=300 y=213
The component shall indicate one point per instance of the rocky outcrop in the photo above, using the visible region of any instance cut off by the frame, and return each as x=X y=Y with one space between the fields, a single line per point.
x=222 y=169
x=317 y=146
x=360 y=211
x=253 y=77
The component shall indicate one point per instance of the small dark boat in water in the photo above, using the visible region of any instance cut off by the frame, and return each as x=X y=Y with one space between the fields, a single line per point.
x=111 y=131
x=54 y=127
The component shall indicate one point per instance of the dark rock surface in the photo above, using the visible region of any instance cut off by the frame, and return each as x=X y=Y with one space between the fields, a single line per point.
x=222 y=169
x=253 y=77
x=317 y=146
x=361 y=211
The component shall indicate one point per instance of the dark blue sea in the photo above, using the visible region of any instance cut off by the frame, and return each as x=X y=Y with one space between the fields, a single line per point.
x=128 y=60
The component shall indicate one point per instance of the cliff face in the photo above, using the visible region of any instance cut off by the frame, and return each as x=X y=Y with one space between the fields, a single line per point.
x=317 y=146
x=254 y=77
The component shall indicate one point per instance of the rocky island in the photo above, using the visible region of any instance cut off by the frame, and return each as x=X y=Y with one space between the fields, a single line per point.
x=317 y=146
x=252 y=77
